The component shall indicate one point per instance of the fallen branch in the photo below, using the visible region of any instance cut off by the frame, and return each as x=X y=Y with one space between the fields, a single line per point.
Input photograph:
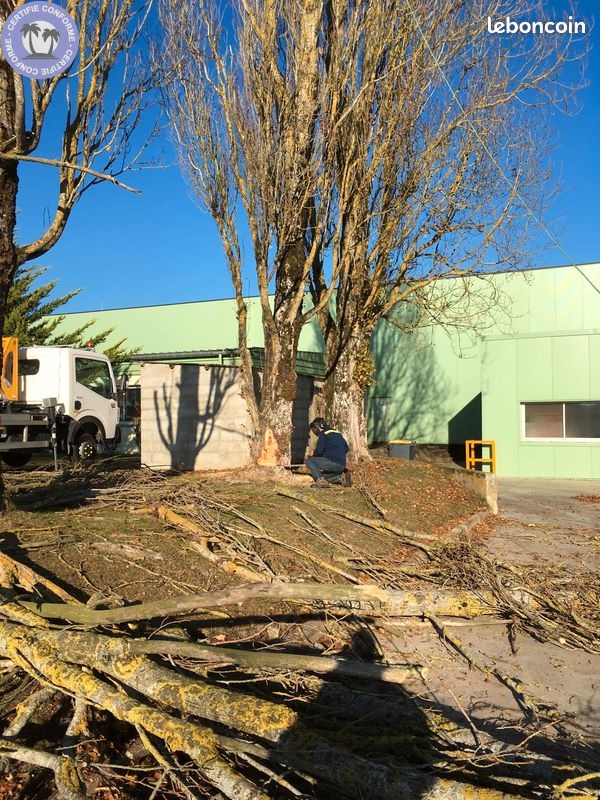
x=418 y=540
x=26 y=710
x=300 y=552
x=41 y=661
x=64 y=768
x=14 y=573
x=558 y=792
x=261 y=660
x=201 y=543
x=358 y=599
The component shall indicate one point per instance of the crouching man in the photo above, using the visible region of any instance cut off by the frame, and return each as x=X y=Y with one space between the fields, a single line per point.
x=327 y=465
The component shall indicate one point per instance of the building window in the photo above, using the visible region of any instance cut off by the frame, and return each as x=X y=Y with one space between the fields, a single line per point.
x=561 y=420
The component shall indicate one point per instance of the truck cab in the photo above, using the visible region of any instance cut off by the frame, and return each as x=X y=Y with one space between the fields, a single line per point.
x=71 y=390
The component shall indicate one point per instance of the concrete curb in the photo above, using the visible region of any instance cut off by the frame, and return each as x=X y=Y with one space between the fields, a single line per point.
x=469 y=524
x=482 y=483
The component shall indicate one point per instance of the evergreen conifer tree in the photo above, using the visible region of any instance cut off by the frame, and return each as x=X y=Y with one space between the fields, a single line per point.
x=30 y=316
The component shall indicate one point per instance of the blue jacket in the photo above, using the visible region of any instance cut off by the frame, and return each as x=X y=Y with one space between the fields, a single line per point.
x=332 y=445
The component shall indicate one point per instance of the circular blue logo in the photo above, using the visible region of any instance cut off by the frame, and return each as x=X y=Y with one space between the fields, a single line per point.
x=40 y=40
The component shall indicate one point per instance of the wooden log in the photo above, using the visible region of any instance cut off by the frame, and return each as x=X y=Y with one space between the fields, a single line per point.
x=40 y=659
x=367 y=599
x=122 y=660
x=260 y=660
x=13 y=573
x=298 y=747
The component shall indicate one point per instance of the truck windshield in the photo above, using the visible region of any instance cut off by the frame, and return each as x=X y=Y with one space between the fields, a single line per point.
x=94 y=375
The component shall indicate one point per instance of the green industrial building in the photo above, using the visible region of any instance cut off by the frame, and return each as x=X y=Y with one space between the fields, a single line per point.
x=530 y=379
x=517 y=362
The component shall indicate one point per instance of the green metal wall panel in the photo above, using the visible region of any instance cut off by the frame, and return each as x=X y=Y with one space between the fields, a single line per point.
x=570 y=368
x=546 y=460
x=589 y=277
x=540 y=312
x=206 y=325
x=595 y=459
x=500 y=404
x=534 y=368
x=545 y=368
x=535 y=461
x=410 y=386
x=513 y=304
x=573 y=461
x=594 y=367
x=426 y=382
x=567 y=300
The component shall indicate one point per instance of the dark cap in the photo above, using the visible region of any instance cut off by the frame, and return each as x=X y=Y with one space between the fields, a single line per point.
x=318 y=424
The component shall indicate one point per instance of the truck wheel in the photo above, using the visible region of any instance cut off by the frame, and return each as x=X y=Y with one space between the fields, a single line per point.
x=85 y=449
x=16 y=459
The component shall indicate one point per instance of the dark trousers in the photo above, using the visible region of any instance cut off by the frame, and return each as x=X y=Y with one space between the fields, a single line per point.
x=324 y=468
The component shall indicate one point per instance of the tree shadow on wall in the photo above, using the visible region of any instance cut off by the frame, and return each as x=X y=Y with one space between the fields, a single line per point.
x=186 y=421
x=410 y=396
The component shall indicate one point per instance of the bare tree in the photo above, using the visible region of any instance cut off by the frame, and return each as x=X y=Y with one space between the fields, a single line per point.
x=97 y=130
x=246 y=103
x=374 y=148
x=440 y=162
x=101 y=101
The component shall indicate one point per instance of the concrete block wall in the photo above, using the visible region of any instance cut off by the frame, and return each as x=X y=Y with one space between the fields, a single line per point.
x=193 y=417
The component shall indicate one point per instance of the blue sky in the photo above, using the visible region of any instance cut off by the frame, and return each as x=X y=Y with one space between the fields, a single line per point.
x=125 y=250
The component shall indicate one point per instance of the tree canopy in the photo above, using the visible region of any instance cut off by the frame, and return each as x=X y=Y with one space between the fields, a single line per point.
x=373 y=148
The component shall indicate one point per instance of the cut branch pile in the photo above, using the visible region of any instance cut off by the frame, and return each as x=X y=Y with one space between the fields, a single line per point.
x=108 y=698
x=250 y=744
x=535 y=600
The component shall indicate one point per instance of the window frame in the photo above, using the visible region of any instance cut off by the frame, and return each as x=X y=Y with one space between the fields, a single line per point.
x=105 y=364
x=25 y=370
x=136 y=392
x=563 y=438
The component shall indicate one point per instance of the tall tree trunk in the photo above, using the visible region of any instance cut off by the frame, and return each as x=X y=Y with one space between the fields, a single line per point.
x=350 y=366
x=8 y=252
x=282 y=326
x=9 y=183
x=278 y=390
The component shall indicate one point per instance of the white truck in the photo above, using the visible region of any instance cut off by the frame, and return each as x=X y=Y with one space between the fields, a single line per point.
x=59 y=398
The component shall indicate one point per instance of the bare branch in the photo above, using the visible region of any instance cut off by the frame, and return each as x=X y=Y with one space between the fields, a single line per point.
x=63 y=165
